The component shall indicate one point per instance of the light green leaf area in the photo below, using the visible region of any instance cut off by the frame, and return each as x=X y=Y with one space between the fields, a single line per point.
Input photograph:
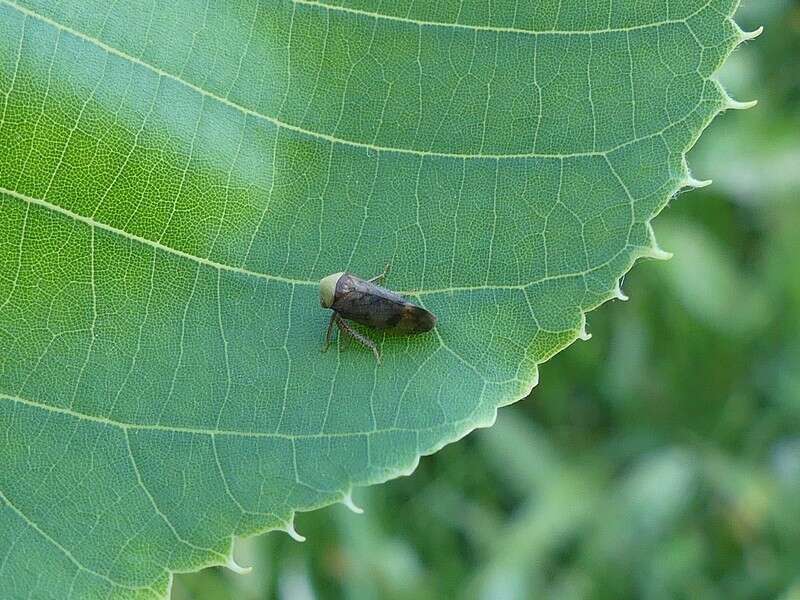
x=175 y=177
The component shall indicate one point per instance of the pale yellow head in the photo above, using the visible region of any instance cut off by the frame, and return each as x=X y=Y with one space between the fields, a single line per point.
x=327 y=289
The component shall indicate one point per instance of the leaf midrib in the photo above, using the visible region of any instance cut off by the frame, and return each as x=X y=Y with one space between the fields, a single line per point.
x=157 y=245
x=417 y=293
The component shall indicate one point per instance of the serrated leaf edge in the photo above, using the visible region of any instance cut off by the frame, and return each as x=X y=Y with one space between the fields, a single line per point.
x=652 y=251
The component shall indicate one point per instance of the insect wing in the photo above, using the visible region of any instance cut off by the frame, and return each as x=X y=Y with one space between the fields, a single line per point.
x=367 y=303
x=373 y=305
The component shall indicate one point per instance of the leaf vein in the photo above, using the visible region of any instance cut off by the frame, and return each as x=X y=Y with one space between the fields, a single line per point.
x=32 y=524
x=158 y=511
x=491 y=28
x=287 y=126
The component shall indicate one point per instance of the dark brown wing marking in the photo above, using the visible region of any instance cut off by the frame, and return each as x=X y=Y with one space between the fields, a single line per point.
x=415 y=319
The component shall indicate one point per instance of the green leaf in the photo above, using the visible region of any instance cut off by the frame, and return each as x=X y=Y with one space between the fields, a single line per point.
x=175 y=179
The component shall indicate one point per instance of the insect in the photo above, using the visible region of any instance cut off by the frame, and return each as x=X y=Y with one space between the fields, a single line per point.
x=365 y=302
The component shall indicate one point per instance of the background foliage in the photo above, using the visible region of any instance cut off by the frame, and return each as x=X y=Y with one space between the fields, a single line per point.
x=659 y=460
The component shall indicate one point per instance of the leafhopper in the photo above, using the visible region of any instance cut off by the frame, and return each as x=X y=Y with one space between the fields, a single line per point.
x=364 y=301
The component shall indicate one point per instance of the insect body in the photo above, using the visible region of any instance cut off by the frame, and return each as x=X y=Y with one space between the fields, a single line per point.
x=362 y=301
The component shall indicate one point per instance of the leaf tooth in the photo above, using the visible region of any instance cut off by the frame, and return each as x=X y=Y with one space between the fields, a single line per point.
x=691 y=182
x=293 y=533
x=237 y=568
x=654 y=251
x=657 y=253
x=745 y=36
x=732 y=104
x=619 y=294
x=349 y=503
x=583 y=334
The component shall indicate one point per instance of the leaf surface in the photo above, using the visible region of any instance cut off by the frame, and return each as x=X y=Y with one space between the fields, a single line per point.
x=175 y=178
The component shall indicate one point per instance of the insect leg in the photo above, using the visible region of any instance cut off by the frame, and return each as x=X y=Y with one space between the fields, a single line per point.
x=329 y=333
x=362 y=339
x=382 y=276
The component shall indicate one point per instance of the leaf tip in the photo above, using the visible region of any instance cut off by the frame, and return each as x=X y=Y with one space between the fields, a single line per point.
x=237 y=568
x=349 y=503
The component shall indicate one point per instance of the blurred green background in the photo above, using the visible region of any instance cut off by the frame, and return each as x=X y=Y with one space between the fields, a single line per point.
x=659 y=460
